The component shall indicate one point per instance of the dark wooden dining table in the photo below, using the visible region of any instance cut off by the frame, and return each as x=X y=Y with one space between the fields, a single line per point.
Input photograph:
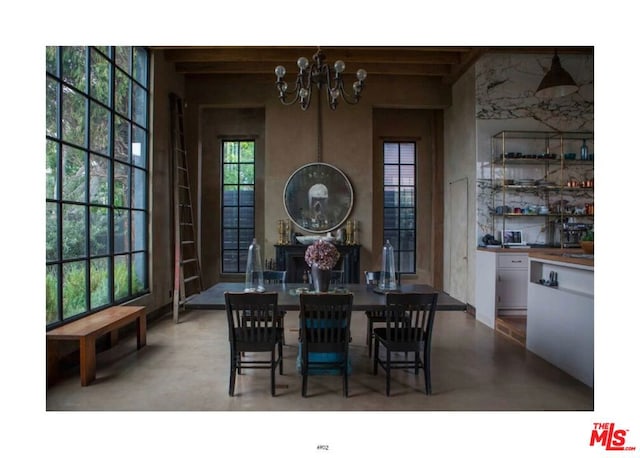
x=364 y=296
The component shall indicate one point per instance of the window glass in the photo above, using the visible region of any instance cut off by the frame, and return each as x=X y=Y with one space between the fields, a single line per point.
x=238 y=197
x=99 y=231
x=100 y=282
x=96 y=171
x=399 y=200
x=52 y=107
x=51 y=170
x=74 y=67
x=100 y=76
x=74 y=288
x=99 y=128
x=74 y=116
x=98 y=179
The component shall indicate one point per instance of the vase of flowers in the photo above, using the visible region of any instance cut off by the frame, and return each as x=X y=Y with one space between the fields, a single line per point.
x=321 y=256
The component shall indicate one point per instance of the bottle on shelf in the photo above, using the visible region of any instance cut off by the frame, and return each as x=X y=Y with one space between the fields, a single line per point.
x=584 y=151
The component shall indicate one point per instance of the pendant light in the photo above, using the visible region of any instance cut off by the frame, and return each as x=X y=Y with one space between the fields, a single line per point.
x=557 y=82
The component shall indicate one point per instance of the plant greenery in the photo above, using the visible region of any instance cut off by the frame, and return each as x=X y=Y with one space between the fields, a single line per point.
x=92 y=179
x=588 y=236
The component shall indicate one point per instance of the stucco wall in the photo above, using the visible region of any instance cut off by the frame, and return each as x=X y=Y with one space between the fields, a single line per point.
x=459 y=190
x=291 y=140
x=165 y=81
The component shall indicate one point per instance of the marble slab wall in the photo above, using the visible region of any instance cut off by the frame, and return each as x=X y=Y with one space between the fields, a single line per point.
x=505 y=100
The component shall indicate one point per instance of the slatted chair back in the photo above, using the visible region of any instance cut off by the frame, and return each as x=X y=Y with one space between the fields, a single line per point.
x=325 y=332
x=274 y=276
x=371 y=278
x=409 y=319
x=337 y=277
x=325 y=322
x=252 y=320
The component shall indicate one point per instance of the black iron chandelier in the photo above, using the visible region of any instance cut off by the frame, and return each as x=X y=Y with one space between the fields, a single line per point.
x=319 y=74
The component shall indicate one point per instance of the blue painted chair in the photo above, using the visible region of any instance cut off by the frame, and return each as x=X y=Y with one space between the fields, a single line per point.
x=325 y=332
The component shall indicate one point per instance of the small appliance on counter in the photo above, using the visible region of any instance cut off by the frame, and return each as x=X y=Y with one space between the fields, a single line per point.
x=490 y=241
x=568 y=234
x=511 y=237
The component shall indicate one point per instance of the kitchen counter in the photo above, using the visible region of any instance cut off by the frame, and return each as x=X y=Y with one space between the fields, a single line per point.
x=566 y=255
x=560 y=318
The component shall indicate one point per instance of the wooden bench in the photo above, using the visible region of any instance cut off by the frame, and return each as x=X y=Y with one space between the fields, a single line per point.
x=86 y=330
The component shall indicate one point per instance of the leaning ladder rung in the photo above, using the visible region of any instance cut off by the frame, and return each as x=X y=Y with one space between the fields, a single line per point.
x=189 y=279
x=188 y=261
x=188 y=242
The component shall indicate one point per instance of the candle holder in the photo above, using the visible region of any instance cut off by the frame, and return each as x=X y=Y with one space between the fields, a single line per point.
x=355 y=232
x=282 y=232
x=349 y=231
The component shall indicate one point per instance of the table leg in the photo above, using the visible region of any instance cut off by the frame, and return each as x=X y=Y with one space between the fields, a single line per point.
x=141 y=323
x=87 y=360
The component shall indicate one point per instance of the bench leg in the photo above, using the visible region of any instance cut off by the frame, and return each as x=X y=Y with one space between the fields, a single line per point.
x=52 y=362
x=87 y=360
x=141 y=330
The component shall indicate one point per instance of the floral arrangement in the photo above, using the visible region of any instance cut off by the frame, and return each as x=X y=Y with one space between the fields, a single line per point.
x=322 y=253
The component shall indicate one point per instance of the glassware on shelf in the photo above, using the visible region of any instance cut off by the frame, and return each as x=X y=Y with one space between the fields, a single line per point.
x=584 y=151
x=254 y=275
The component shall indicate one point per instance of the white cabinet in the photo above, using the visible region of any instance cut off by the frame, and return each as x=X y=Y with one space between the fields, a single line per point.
x=501 y=285
x=511 y=284
x=560 y=319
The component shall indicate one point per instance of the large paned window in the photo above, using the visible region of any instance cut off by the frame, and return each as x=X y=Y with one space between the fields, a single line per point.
x=238 y=203
x=400 y=202
x=97 y=111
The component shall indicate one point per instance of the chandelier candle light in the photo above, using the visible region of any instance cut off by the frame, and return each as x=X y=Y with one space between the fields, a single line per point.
x=318 y=73
x=321 y=256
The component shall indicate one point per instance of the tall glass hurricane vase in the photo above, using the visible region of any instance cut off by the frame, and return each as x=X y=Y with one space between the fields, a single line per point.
x=254 y=278
x=387 y=269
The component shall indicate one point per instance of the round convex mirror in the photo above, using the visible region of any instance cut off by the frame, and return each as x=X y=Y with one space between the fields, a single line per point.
x=318 y=197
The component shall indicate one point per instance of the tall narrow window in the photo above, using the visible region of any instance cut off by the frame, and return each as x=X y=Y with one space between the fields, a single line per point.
x=97 y=105
x=400 y=202
x=238 y=203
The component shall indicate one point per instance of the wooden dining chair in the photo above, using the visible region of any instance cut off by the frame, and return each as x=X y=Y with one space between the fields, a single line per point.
x=409 y=328
x=325 y=332
x=371 y=278
x=253 y=328
x=277 y=277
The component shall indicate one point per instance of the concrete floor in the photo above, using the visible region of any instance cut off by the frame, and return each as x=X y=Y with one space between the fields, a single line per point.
x=184 y=367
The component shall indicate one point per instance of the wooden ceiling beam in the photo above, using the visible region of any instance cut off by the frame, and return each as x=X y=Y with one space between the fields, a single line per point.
x=268 y=68
x=289 y=56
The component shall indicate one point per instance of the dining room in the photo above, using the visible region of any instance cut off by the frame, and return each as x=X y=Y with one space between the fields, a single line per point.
x=396 y=169
x=238 y=157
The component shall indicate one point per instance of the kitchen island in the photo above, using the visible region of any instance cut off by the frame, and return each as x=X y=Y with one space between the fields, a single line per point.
x=560 y=317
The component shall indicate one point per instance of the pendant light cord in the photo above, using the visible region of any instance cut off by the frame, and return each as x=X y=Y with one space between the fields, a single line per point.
x=319 y=127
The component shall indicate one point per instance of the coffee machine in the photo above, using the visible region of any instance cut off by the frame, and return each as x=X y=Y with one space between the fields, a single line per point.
x=568 y=233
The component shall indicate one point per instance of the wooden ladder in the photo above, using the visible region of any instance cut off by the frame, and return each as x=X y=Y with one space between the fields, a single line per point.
x=187 y=280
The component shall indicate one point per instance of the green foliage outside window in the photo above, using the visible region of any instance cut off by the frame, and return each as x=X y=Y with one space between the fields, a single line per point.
x=96 y=230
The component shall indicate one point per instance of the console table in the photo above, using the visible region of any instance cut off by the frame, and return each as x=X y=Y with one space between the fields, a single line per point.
x=291 y=259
